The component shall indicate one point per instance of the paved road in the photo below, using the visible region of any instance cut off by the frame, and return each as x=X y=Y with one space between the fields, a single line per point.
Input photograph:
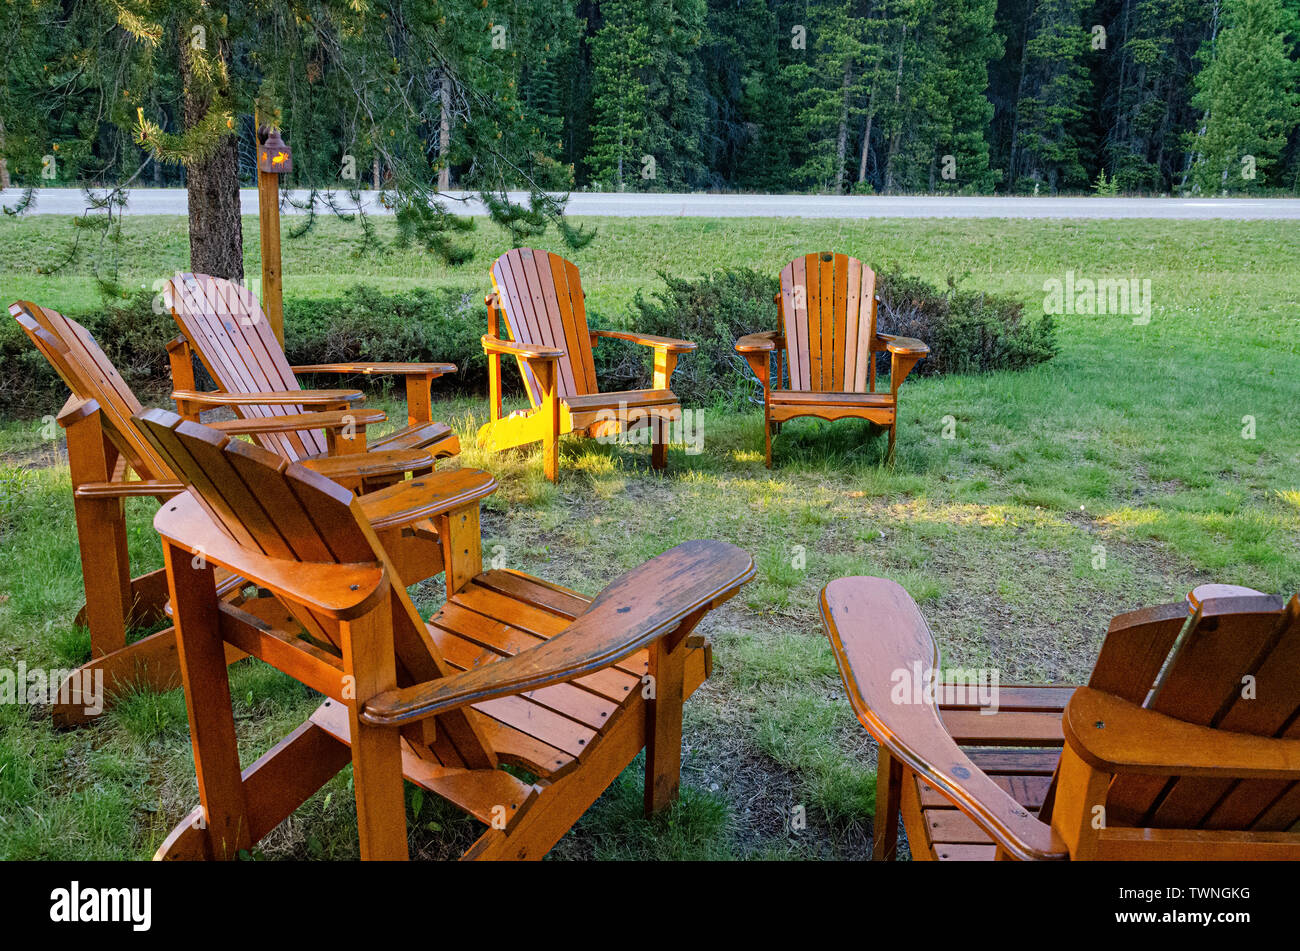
x=172 y=201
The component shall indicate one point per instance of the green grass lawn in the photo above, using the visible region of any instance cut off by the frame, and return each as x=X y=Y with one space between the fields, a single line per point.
x=1115 y=475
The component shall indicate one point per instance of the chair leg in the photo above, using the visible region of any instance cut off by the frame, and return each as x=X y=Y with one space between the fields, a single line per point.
x=101 y=536
x=892 y=428
x=202 y=657
x=889 y=787
x=658 y=445
x=369 y=658
x=767 y=433
x=663 y=748
x=551 y=456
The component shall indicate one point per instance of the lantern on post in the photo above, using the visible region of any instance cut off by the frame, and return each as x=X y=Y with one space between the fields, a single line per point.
x=273 y=160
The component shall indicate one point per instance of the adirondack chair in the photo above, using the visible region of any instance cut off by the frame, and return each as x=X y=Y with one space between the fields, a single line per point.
x=110 y=461
x=224 y=323
x=1184 y=744
x=540 y=296
x=827 y=314
x=511 y=670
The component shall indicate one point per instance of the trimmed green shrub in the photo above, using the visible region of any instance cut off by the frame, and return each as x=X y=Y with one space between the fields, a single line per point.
x=129 y=332
x=442 y=325
x=967 y=331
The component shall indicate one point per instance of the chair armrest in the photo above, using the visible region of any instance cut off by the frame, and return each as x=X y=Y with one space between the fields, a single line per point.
x=270 y=397
x=875 y=630
x=342 y=591
x=382 y=369
x=527 y=351
x=425 y=497
x=142 y=488
x=76 y=409
x=904 y=346
x=633 y=611
x=1111 y=734
x=647 y=340
x=297 y=422
x=763 y=342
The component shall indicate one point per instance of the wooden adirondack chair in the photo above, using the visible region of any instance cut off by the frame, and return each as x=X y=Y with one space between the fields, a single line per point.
x=540 y=295
x=826 y=309
x=110 y=461
x=511 y=670
x=1185 y=743
x=225 y=324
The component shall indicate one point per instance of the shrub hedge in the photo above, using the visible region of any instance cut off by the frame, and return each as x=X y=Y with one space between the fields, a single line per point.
x=968 y=332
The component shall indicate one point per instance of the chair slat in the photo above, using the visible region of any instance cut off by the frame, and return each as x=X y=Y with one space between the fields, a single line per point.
x=839 y=306
x=813 y=276
x=852 y=283
x=826 y=292
x=803 y=343
x=864 y=376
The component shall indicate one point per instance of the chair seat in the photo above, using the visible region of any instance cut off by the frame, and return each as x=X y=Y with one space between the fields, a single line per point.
x=814 y=398
x=951 y=836
x=501 y=613
x=1018 y=747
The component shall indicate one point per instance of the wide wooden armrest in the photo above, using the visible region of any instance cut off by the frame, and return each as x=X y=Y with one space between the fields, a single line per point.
x=1114 y=735
x=383 y=369
x=878 y=635
x=342 y=591
x=526 y=350
x=296 y=422
x=270 y=397
x=904 y=346
x=670 y=344
x=633 y=611
x=425 y=496
x=763 y=342
x=142 y=488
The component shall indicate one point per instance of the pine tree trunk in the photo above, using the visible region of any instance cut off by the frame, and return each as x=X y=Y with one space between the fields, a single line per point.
x=216 y=238
x=842 y=140
x=1012 y=171
x=898 y=98
x=866 y=146
x=4 y=165
x=444 y=134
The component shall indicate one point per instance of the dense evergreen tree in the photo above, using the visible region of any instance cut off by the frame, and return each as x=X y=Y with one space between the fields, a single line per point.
x=1048 y=137
x=419 y=96
x=1247 y=91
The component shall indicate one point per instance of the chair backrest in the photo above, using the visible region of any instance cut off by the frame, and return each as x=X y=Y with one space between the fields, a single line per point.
x=541 y=297
x=277 y=508
x=225 y=324
x=89 y=374
x=1233 y=663
x=827 y=307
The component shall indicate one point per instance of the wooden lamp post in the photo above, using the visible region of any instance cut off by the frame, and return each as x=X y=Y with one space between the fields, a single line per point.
x=273 y=160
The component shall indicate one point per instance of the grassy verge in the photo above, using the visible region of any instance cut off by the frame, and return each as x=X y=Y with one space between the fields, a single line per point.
x=1116 y=475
